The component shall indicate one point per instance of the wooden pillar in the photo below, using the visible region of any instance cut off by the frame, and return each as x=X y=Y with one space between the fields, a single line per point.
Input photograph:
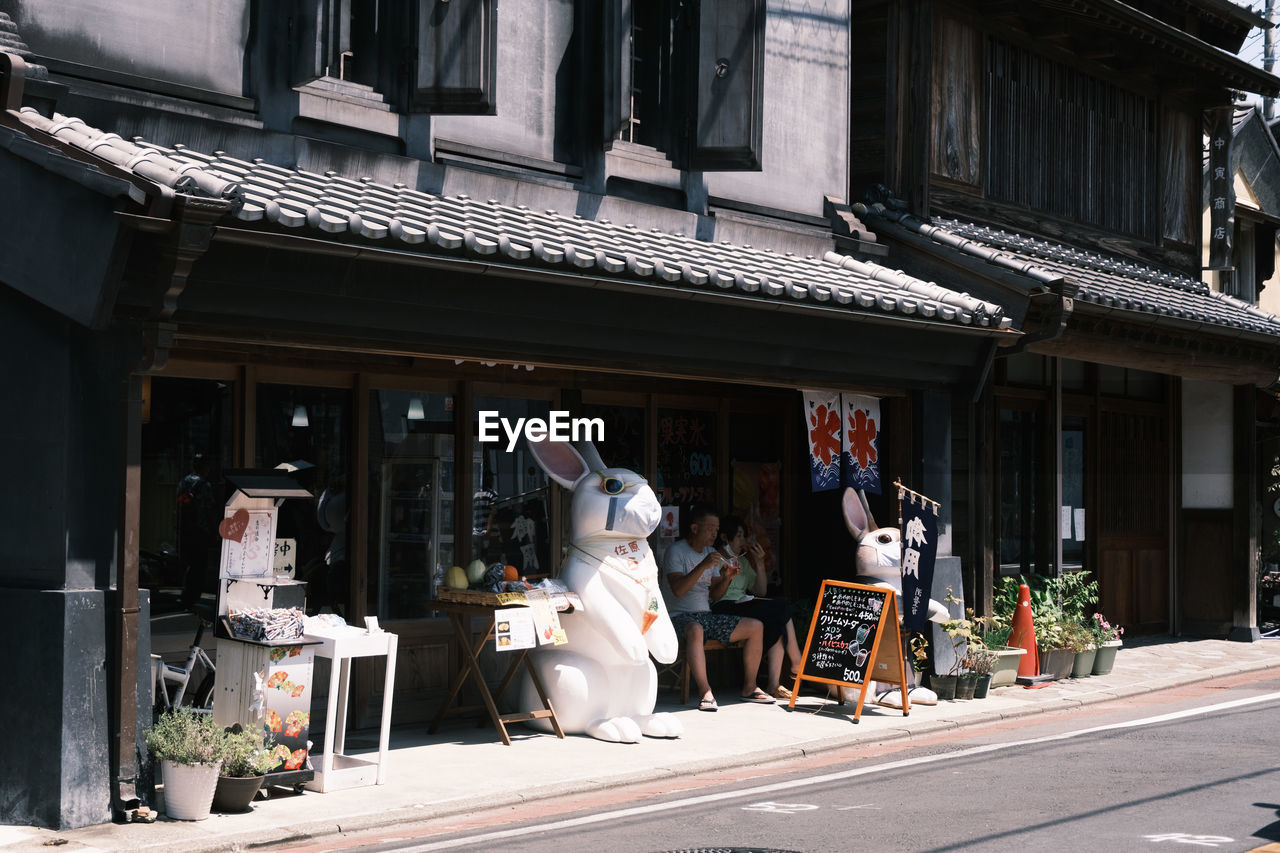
x=1244 y=563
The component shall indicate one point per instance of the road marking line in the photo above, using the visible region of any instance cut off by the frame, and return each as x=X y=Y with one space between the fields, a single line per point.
x=634 y=811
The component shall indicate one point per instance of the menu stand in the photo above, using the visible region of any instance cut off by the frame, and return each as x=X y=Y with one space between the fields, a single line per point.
x=458 y=614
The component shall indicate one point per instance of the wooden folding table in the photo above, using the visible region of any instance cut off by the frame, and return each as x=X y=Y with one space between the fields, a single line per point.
x=459 y=615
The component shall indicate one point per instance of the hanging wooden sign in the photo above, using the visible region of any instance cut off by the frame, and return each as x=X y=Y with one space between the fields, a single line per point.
x=854 y=640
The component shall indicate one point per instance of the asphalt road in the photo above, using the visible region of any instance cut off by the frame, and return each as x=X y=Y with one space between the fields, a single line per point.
x=1194 y=769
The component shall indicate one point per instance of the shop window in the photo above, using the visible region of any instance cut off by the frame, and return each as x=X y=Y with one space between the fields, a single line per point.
x=1020 y=482
x=1075 y=376
x=411 y=500
x=687 y=79
x=1130 y=383
x=510 y=493
x=434 y=56
x=623 y=444
x=1026 y=368
x=686 y=457
x=309 y=430
x=755 y=451
x=186 y=434
x=1072 y=525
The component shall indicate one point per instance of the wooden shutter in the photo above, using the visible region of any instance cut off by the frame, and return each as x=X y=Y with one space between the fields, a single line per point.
x=456 y=57
x=616 y=73
x=727 y=76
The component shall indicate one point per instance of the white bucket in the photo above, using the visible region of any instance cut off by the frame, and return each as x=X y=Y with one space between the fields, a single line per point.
x=188 y=789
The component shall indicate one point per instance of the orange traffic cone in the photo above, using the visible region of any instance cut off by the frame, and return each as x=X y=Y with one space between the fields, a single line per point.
x=1023 y=634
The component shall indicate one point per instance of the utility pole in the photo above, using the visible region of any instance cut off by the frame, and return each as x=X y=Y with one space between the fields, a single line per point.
x=1269 y=57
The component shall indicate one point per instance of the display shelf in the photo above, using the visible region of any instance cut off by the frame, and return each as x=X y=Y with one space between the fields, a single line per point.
x=335 y=770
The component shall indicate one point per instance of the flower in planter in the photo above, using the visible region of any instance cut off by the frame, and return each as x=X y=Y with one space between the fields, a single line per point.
x=1103 y=631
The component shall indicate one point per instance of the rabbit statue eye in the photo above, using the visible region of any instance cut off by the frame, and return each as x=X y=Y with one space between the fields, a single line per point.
x=611 y=485
x=884 y=538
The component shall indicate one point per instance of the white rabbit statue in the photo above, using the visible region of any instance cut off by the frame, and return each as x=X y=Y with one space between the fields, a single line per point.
x=879 y=563
x=602 y=682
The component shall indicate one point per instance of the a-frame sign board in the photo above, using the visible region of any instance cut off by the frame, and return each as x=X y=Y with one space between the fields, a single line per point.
x=854 y=640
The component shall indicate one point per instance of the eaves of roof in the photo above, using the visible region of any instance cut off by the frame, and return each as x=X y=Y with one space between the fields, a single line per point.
x=269 y=199
x=1138 y=294
x=1234 y=70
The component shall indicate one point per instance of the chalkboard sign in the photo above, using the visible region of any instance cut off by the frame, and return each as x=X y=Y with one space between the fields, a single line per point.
x=853 y=640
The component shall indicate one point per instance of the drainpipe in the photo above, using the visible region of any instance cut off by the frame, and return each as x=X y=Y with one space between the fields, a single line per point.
x=183 y=241
x=1056 y=310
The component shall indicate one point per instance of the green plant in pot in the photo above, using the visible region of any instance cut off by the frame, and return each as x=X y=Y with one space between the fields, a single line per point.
x=190 y=748
x=1107 y=638
x=247 y=761
x=981 y=663
x=1079 y=639
x=959 y=634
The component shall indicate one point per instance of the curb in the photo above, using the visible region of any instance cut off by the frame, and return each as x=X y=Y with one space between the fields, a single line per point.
x=402 y=815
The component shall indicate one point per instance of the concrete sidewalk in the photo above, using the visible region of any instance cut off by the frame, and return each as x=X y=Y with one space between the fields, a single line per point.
x=462 y=766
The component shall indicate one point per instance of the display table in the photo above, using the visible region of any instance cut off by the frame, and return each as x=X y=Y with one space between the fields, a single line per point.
x=469 y=667
x=334 y=769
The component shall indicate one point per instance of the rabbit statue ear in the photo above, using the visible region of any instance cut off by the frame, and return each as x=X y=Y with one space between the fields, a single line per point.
x=857 y=516
x=590 y=455
x=561 y=462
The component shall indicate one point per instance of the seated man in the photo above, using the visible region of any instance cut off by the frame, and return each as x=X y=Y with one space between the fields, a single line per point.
x=689 y=585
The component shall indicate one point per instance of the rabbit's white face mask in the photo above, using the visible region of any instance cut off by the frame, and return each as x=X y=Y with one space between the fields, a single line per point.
x=608 y=503
x=615 y=502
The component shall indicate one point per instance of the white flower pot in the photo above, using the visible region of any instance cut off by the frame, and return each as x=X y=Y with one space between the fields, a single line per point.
x=188 y=789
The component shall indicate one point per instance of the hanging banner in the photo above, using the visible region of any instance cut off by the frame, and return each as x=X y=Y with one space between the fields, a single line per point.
x=919 y=551
x=822 y=425
x=860 y=442
x=1222 y=191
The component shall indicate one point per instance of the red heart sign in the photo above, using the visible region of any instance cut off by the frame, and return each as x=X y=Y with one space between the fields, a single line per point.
x=233 y=528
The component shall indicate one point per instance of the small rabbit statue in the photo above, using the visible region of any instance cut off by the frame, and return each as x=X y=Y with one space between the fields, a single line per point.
x=879 y=563
x=602 y=682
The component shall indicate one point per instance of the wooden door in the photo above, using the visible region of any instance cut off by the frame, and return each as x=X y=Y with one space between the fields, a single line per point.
x=1133 y=518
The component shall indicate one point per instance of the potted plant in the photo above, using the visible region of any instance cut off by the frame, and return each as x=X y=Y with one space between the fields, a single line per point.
x=1056 y=656
x=189 y=746
x=1080 y=640
x=248 y=757
x=959 y=632
x=1107 y=638
x=982 y=663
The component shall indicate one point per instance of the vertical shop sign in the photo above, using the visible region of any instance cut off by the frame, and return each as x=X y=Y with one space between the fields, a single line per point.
x=919 y=553
x=860 y=442
x=1222 y=193
x=686 y=457
x=822 y=426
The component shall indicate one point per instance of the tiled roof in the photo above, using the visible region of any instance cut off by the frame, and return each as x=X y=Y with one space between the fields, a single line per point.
x=1101 y=280
x=404 y=219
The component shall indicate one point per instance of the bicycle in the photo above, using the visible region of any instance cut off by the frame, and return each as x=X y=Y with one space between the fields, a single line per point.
x=171 y=682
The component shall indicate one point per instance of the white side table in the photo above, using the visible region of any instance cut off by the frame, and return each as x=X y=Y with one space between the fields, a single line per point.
x=334 y=769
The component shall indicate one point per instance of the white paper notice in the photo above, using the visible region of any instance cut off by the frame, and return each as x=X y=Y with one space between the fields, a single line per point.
x=545 y=621
x=1080 y=523
x=1065 y=527
x=513 y=629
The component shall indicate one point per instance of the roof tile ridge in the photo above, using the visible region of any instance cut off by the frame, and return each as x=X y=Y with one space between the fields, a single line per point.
x=920 y=288
x=149 y=162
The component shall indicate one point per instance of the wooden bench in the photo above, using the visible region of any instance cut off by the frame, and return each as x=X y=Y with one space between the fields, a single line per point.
x=679 y=668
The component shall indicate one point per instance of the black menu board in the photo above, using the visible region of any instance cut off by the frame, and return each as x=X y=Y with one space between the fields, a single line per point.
x=854 y=632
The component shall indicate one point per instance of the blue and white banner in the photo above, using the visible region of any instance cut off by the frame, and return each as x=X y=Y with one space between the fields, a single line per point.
x=822 y=426
x=860 y=442
x=919 y=552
